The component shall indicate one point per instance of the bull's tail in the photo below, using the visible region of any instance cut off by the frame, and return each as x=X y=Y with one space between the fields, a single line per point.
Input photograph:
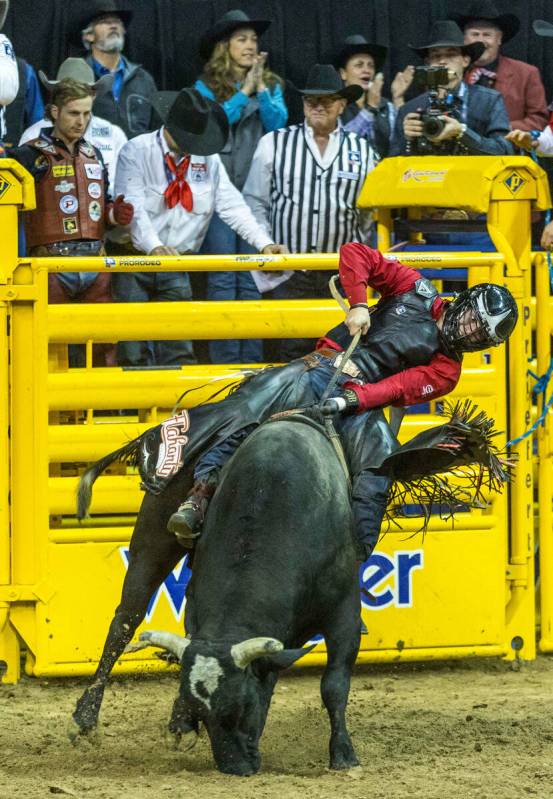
x=127 y=454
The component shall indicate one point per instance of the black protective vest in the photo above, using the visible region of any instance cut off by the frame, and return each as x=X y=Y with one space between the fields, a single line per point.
x=402 y=334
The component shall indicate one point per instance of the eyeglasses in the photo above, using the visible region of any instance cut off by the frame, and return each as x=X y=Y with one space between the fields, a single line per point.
x=325 y=100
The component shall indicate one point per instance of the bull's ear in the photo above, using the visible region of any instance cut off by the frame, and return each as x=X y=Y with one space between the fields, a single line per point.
x=284 y=659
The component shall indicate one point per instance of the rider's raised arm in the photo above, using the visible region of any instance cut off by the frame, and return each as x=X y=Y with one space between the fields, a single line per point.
x=361 y=266
x=414 y=385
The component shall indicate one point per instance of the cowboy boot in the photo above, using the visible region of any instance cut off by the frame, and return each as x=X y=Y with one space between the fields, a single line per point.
x=186 y=523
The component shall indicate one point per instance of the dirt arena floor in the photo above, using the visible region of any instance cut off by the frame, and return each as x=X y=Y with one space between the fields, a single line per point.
x=477 y=729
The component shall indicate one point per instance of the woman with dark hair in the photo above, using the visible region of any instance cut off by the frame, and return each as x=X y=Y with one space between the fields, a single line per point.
x=372 y=116
x=235 y=76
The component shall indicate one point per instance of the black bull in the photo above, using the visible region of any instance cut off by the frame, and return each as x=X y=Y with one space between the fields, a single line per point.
x=277 y=560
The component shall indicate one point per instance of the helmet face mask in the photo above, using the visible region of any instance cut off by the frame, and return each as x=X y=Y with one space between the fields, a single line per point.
x=480 y=317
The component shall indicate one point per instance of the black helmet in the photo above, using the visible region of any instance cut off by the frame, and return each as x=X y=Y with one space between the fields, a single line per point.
x=493 y=318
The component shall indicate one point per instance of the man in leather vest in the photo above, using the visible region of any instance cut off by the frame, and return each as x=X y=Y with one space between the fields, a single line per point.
x=71 y=184
x=410 y=352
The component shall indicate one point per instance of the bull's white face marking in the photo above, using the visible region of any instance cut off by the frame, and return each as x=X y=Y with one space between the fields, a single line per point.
x=206 y=671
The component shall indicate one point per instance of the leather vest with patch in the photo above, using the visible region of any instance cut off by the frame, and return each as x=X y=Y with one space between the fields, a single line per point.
x=402 y=334
x=70 y=196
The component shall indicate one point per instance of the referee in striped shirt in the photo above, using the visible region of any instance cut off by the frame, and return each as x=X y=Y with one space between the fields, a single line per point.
x=303 y=186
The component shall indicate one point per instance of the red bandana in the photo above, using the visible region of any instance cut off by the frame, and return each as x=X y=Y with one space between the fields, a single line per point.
x=178 y=190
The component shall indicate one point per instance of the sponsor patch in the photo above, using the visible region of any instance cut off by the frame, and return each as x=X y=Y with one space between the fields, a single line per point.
x=348 y=175
x=173 y=440
x=70 y=225
x=40 y=161
x=63 y=171
x=87 y=149
x=400 y=310
x=428 y=389
x=65 y=186
x=95 y=210
x=95 y=190
x=41 y=144
x=425 y=288
x=69 y=204
x=198 y=172
x=354 y=157
x=93 y=171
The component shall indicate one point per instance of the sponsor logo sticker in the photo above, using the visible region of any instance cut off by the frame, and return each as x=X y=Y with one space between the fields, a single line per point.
x=95 y=211
x=65 y=186
x=70 y=225
x=424 y=175
x=63 y=171
x=94 y=190
x=69 y=204
x=109 y=262
x=514 y=182
x=93 y=171
x=4 y=186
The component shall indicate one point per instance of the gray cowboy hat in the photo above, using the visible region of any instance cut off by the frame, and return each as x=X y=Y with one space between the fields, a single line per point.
x=96 y=9
x=446 y=33
x=198 y=125
x=4 y=8
x=323 y=79
x=225 y=26
x=78 y=70
x=541 y=27
x=508 y=24
x=355 y=44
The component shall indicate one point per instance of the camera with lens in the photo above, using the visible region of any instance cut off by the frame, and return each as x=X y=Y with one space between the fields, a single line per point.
x=432 y=79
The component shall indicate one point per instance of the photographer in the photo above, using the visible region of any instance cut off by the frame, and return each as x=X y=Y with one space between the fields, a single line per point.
x=451 y=118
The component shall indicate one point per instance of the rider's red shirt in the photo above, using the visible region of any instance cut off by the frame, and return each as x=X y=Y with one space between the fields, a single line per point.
x=361 y=266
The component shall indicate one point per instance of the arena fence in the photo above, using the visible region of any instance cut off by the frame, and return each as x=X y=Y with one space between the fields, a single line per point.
x=467 y=589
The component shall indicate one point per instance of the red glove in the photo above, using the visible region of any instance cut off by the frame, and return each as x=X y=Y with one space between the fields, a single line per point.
x=121 y=212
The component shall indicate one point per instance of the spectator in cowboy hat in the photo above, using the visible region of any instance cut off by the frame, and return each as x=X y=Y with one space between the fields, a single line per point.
x=303 y=187
x=107 y=138
x=176 y=181
x=235 y=75
x=478 y=122
x=543 y=145
x=9 y=78
x=129 y=102
x=519 y=83
x=372 y=115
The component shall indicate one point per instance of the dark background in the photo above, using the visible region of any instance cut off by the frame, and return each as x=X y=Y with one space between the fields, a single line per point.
x=164 y=34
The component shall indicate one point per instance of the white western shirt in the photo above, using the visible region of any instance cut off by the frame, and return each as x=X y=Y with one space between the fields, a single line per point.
x=9 y=77
x=141 y=176
x=105 y=136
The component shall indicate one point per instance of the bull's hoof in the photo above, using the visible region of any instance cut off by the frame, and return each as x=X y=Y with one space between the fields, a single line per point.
x=76 y=733
x=343 y=760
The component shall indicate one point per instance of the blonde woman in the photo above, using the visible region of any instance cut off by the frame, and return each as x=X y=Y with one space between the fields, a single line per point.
x=235 y=76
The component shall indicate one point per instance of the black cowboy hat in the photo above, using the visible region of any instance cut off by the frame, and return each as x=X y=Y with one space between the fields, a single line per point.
x=542 y=28
x=100 y=8
x=446 y=33
x=485 y=9
x=323 y=79
x=352 y=45
x=198 y=125
x=225 y=26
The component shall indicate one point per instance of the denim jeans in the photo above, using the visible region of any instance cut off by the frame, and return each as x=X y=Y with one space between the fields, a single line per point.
x=153 y=287
x=222 y=240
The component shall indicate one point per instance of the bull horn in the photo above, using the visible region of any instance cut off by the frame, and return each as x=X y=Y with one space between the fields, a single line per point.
x=176 y=644
x=252 y=648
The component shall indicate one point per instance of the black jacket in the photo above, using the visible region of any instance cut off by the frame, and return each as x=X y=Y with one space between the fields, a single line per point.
x=382 y=133
x=487 y=125
x=134 y=111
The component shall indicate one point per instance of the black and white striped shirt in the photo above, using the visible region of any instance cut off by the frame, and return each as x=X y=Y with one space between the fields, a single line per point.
x=303 y=199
